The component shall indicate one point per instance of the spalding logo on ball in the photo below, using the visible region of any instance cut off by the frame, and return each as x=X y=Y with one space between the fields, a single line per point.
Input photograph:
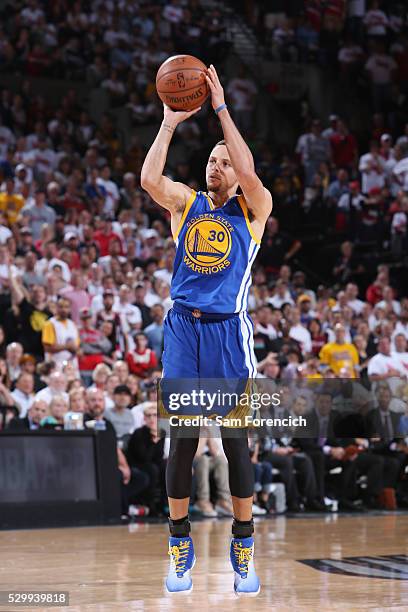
x=181 y=84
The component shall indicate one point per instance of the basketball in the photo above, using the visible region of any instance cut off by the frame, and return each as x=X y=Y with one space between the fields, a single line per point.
x=181 y=83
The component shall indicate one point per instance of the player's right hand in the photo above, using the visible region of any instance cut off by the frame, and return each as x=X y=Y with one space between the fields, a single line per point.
x=173 y=118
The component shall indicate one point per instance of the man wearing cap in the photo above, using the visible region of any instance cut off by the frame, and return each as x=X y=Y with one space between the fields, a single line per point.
x=333 y=127
x=23 y=176
x=71 y=244
x=150 y=237
x=386 y=150
x=120 y=416
x=53 y=198
x=304 y=303
x=26 y=244
x=37 y=212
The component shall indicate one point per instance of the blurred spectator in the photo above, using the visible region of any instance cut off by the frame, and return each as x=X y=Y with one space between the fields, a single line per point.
x=38 y=213
x=119 y=415
x=57 y=385
x=146 y=452
x=142 y=359
x=33 y=314
x=77 y=295
x=277 y=247
x=316 y=151
x=94 y=346
x=77 y=400
x=35 y=414
x=14 y=353
x=58 y=408
x=130 y=316
x=384 y=365
x=210 y=459
x=299 y=332
x=11 y=202
x=154 y=331
x=23 y=393
x=60 y=335
x=242 y=92
x=381 y=68
x=340 y=355
x=95 y=402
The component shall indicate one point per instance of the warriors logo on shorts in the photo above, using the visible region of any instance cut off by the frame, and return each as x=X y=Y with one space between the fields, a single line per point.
x=207 y=245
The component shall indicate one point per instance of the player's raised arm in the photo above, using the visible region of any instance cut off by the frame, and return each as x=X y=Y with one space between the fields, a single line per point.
x=258 y=198
x=169 y=194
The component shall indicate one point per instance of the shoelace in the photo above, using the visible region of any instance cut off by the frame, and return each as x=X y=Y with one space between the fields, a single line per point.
x=243 y=556
x=180 y=555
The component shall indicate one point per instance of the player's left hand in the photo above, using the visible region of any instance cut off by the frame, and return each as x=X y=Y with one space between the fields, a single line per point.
x=216 y=89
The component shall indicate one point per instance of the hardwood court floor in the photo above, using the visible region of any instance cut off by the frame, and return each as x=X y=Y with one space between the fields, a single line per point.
x=109 y=569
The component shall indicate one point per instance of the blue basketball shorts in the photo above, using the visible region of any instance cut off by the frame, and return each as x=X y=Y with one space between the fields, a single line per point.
x=207 y=347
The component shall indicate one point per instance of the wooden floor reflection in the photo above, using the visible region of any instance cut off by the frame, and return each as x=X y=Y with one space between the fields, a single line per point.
x=109 y=569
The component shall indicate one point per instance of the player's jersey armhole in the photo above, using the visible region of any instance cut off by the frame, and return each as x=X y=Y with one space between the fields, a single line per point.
x=189 y=204
x=244 y=208
x=210 y=203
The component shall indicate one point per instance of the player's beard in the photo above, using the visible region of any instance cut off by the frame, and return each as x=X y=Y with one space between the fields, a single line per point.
x=214 y=185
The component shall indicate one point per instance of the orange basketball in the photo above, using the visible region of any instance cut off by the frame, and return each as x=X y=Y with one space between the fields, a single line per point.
x=181 y=84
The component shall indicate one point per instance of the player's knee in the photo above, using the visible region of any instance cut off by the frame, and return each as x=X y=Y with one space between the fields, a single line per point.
x=182 y=449
x=236 y=449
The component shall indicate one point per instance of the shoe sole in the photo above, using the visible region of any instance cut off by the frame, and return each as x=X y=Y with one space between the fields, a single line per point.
x=244 y=594
x=185 y=591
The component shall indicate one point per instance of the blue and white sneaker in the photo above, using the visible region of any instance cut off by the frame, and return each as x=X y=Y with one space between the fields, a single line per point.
x=182 y=560
x=246 y=582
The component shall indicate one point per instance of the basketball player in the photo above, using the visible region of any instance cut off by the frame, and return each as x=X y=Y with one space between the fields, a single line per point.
x=208 y=333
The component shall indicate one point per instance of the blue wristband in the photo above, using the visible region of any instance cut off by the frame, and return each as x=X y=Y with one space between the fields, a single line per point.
x=220 y=108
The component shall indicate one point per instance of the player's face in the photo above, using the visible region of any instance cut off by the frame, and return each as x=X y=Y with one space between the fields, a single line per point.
x=220 y=175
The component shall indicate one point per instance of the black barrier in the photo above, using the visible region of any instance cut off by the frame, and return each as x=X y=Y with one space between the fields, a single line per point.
x=58 y=478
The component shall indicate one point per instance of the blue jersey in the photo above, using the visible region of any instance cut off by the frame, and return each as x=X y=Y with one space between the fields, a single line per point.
x=216 y=248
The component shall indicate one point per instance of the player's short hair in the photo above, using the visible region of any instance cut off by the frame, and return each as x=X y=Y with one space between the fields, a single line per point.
x=221 y=142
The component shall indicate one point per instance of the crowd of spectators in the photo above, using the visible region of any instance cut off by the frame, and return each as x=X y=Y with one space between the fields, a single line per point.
x=368 y=34
x=117 y=46
x=86 y=261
